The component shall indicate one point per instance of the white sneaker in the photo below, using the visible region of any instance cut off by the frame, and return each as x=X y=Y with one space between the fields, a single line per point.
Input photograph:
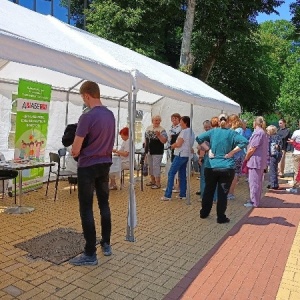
x=292 y=190
x=248 y=204
x=174 y=190
x=230 y=197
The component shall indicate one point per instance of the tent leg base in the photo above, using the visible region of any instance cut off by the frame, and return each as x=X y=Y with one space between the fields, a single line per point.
x=129 y=235
x=130 y=239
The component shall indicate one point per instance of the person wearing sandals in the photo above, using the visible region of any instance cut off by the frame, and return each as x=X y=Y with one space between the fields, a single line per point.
x=224 y=143
x=123 y=152
x=275 y=145
x=155 y=138
x=182 y=151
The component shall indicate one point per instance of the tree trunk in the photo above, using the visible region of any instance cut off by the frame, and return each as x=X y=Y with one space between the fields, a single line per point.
x=211 y=59
x=185 y=53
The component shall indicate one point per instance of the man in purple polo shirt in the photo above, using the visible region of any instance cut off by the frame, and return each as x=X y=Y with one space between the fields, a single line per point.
x=97 y=126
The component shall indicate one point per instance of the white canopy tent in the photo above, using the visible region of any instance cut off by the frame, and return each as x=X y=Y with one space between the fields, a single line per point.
x=42 y=48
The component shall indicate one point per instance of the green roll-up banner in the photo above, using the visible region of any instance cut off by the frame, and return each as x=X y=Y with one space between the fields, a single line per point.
x=31 y=128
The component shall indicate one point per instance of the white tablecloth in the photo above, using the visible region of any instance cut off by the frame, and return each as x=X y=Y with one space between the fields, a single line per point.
x=116 y=166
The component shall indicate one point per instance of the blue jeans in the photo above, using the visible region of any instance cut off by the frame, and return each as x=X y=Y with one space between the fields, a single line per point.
x=273 y=173
x=178 y=165
x=92 y=178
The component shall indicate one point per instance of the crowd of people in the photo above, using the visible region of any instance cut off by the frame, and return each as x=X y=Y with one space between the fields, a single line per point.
x=226 y=148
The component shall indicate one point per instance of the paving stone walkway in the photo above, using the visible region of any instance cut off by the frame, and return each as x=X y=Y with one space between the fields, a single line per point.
x=259 y=258
x=176 y=255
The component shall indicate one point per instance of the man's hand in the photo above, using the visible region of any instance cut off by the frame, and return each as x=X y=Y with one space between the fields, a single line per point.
x=74 y=154
x=76 y=147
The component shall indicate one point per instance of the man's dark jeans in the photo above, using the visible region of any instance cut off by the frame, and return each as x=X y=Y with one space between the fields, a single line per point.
x=92 y=178
x=213 y=178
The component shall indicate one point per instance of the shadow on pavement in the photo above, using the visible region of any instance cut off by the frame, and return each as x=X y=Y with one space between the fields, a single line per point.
x=288 y=201
x=256 y=220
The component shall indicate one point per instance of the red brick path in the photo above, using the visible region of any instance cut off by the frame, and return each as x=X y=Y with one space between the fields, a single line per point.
x=249 y=261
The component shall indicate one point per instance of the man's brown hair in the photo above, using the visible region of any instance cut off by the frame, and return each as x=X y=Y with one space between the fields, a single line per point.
x=91 y=88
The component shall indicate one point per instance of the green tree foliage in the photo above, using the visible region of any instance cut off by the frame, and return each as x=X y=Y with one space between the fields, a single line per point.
x=281 y=55
x=240 y=75
x=295 y=11
x=275 y=40
x=218 y=22
x=289 y=100
x=150 y=27
x=250 y=69
x=76 y=10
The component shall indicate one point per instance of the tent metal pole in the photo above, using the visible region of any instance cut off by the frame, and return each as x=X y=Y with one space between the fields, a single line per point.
x=52 y=8
x=118 y=123
x=158 y=100
x=68 y=100
x=69 y=11
x=2 y=66
x=188 y=191
x=84 y=16
x=131 y=215
x=67 y=113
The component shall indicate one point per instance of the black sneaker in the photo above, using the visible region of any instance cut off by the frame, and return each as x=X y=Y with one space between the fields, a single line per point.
x=84 y=260
x=202 y=215
x=106 y=249
x=222 y=221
